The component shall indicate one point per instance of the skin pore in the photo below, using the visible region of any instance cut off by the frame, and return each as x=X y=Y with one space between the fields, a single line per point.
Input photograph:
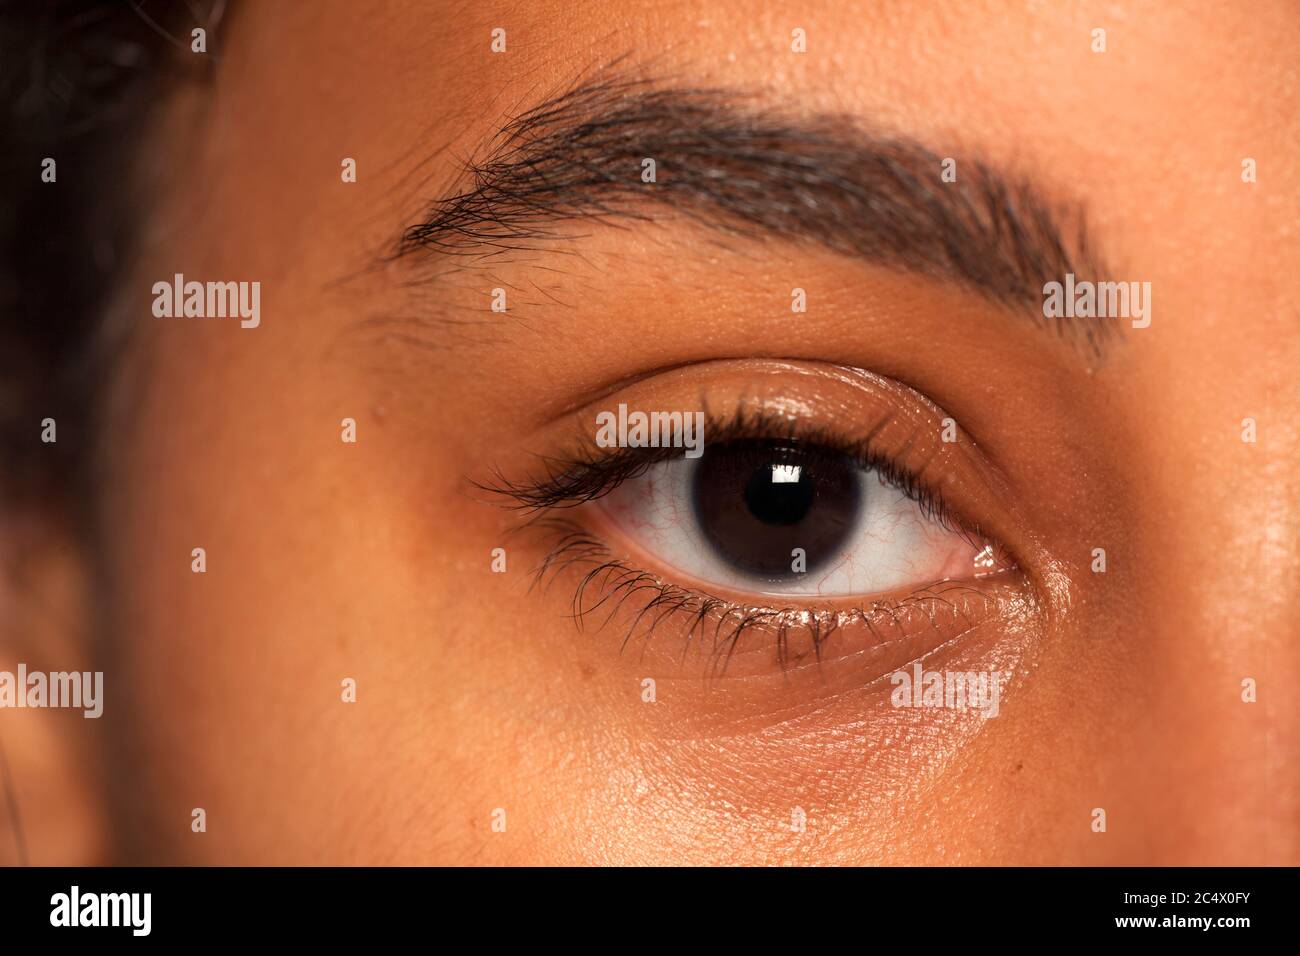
x=477 y=691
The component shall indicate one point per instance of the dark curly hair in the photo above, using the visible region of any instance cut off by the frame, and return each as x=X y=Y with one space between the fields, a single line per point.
x=78 y=82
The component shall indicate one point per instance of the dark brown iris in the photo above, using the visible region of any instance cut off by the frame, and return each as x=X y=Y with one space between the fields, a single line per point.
x=756 y=501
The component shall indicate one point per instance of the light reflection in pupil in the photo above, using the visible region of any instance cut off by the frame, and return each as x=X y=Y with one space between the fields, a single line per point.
x=774 y=498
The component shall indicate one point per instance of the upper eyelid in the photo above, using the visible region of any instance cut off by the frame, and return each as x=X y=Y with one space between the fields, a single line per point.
x=842 y=404
x=593 y=473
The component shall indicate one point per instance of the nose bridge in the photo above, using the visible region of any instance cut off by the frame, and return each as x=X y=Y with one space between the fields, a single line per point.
x=1221 y=459
x=1266 y=526
x=1240 y=648
x=1219 y=556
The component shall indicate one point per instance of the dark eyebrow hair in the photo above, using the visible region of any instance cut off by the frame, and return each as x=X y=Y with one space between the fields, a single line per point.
x=732 y=165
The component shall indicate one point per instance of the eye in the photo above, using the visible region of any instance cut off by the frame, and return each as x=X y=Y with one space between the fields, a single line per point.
x=784 y=517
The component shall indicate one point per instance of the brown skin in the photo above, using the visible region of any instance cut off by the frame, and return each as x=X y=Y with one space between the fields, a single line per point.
x=371 y=560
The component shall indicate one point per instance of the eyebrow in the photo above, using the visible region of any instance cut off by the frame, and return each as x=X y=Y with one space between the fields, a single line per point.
x=734 y=165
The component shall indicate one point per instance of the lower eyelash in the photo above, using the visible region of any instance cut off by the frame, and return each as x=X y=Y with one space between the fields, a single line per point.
x=573 y=547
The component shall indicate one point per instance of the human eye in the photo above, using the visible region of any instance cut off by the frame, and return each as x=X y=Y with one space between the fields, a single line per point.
x=831 y=511
x=787 y=517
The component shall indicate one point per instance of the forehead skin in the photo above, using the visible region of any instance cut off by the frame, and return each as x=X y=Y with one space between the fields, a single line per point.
x=329 y=561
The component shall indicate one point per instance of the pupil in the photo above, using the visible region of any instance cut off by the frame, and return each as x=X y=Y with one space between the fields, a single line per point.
x=779 y=494
x=755 y=501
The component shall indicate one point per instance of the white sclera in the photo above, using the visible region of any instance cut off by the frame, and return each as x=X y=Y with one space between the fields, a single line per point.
x=893 y=546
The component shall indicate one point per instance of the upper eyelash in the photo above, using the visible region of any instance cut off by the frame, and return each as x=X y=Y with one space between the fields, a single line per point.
x=591 y=473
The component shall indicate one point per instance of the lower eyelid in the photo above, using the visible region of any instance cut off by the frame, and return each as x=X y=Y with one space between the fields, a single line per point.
x=720 y=637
